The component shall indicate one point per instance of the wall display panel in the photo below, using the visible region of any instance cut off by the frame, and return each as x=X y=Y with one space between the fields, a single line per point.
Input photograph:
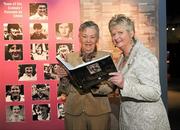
x=32 y=34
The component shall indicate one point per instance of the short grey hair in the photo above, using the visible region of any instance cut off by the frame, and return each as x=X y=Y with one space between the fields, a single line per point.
x=89 y=24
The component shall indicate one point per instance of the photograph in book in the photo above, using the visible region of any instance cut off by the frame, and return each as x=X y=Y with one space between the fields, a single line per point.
x=90 y=73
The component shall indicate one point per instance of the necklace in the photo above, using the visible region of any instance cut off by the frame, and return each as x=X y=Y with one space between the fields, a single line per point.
x=125 y=58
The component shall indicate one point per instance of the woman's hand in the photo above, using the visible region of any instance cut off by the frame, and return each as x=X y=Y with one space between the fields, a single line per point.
x=117 y=79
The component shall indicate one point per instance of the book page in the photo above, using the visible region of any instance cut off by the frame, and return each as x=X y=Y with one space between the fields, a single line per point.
x=90 y=62
x=66 y=64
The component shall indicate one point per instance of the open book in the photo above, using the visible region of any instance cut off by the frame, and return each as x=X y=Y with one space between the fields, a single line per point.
x=90 y=73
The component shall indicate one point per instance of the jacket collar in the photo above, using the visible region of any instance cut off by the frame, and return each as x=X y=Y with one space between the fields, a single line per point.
x=131 y=58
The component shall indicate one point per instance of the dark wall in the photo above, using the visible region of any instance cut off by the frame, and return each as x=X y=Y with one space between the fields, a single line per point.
x=174 y=59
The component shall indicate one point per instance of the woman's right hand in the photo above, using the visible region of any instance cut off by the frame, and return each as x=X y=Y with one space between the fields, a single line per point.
x=117 y=79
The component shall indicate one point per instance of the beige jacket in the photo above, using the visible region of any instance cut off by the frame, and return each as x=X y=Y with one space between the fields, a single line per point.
x=77 y=103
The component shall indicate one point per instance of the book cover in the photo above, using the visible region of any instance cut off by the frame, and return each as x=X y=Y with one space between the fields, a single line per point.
x=90 y=73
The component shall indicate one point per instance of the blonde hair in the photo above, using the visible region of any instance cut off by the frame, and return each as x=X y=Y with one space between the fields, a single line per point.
x=122 y=20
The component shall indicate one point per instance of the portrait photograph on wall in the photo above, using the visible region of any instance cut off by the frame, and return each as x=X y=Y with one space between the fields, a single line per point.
x=53 y=71
x=15 y=113
x=41 y=112
x=13 y=31
x=40 y=91
x=15 y=93
x=64 y=31
x=13 y=52
x=63 y=49
x=38 y=31
x=27 y=72
x=38 y=11
x=39 y=51
x=60 y=111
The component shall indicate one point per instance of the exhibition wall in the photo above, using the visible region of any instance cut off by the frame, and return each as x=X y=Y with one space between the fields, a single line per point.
x=33 y=33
